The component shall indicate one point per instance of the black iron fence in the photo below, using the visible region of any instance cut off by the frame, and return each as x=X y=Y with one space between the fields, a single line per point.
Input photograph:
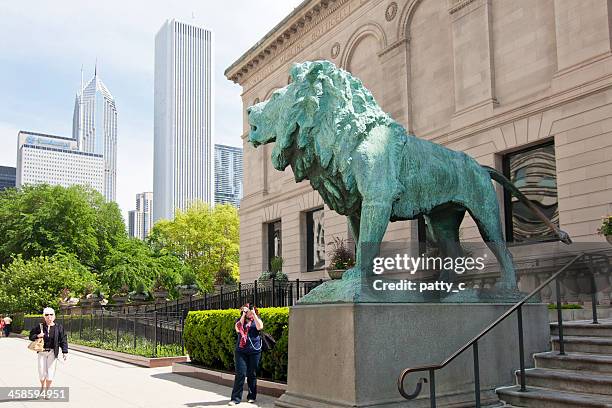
x=155 y=329
x=152 y=334
x=269 y=293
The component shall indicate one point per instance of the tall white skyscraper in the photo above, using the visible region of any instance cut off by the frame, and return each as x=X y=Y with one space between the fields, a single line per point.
x=140 y=220
x=183 y=150
x=94 y=127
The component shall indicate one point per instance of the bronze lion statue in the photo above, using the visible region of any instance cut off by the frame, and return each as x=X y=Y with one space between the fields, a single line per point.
x=327 y=126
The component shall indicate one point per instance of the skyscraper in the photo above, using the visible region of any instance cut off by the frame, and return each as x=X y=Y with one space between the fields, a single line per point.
x=228 y=175
x=56 y=160
x=141 y=220
x=183 y=118
x=7 y=177
x=94 y=127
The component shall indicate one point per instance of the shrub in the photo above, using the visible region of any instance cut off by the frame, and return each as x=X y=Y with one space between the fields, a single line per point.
x=553 y=306
x=276 y=264
x=30 y=285
x=210 y=339
x=606 y=226
x=18 y=323
x=279 y=276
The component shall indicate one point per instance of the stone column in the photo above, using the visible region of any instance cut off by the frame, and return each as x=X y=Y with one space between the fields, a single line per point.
x=473 y=58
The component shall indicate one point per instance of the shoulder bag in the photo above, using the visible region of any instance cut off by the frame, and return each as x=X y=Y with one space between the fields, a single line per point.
x=38 y=344
x=267 y=342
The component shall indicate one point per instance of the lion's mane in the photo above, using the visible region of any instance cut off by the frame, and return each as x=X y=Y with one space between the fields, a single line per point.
x=333 y=113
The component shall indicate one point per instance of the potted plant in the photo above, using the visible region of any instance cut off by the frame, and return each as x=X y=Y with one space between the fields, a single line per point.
x=85 y=300
x=275 y=272
x=279 y=276
x=276 y=265
x=121 y=297
x=96 y=297
x=340 y=259
x=188 y=285
x=140 y=294
x=160 y=293
x=606 y=228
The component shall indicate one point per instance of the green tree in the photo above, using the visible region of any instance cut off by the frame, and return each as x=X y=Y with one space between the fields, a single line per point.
x=30 y=285
x=205 y=238
x=132 y=262
x=128 y=264
x=43 y=220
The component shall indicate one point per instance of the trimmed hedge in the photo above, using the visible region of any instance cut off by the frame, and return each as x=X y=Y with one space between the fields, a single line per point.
x=18 y=322
x=210 y=339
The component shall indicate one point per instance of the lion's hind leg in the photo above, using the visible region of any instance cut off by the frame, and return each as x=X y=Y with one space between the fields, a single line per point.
x=489 y=225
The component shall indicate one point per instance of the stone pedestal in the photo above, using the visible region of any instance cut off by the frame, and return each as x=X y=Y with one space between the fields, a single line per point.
x=350 y=355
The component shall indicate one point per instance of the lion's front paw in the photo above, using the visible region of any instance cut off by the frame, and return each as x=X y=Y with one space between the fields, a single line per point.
x=353 y=273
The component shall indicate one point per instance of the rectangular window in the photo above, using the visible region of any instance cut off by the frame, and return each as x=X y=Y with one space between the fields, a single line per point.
x=533 y=171
x=274 y=241
x=315 y=240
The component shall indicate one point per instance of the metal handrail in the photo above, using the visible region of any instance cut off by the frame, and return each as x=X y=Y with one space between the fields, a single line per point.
x=474 y=344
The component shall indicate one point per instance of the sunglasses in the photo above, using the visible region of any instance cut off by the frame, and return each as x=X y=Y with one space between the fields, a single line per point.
x=48 y=314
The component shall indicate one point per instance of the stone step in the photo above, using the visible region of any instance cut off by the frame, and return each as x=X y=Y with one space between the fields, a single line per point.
x=583 y=328
x=567 y=380
x=536 y=397
x=597 y=363
x=584 y=344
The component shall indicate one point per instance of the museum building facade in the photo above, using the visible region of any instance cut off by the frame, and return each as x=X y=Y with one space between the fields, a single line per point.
x=524 y=86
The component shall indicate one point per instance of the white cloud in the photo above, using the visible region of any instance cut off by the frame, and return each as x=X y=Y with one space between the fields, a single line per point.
x=62 y=36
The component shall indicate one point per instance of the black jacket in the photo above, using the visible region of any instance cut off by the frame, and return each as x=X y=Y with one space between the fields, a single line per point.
x=59 y=337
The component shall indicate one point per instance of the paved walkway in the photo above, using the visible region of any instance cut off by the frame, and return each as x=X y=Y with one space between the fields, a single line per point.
x=100 y=382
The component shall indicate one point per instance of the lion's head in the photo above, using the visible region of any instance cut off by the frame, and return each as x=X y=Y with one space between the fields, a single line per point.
x=317 y=121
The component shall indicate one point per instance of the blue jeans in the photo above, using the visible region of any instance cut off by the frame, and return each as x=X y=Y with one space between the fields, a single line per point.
x=246 y=366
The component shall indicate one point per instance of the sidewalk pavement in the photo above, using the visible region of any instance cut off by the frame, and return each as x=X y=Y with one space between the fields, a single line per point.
x=100 y=382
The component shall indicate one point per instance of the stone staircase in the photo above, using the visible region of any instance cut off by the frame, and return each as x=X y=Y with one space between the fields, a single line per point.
x=582 y=378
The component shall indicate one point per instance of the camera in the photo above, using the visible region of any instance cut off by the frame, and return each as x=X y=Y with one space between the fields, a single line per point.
x=250 y=306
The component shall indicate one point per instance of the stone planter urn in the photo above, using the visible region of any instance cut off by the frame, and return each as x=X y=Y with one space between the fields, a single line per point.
x=160 y=295
x=64 y=305
x=138 y=297
x=120 y=300
x=84 y=304
x=336 y=273
x=95 y=299
x=186 y=291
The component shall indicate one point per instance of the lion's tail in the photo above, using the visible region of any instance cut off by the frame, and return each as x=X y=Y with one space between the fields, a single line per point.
x=508 y=185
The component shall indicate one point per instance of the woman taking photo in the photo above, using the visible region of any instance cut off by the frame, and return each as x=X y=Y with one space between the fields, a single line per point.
x=54 y=338
x=247 y=353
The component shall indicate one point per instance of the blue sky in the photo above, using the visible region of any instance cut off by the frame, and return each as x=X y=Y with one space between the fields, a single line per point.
x=44 y=44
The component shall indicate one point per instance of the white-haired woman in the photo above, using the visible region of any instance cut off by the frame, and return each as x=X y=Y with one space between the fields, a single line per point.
x=54 y=339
